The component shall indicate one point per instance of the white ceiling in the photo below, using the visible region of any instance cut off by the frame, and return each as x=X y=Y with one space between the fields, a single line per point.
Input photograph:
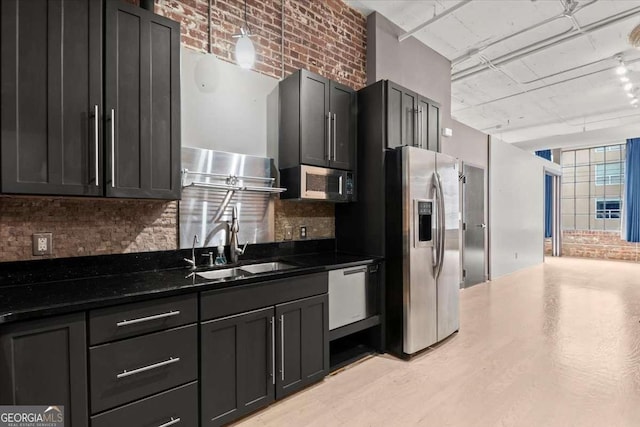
x=564 y=89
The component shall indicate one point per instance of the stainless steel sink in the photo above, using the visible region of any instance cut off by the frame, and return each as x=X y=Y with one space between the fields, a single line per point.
x=266 y=267
x=227 y=273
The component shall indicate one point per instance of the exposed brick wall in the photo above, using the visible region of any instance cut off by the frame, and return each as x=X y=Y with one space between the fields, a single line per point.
x=85 y=226
x=324 y=36
x=598 y=244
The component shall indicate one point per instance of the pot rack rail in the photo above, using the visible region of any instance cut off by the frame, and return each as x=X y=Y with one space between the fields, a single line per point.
x=229 y=183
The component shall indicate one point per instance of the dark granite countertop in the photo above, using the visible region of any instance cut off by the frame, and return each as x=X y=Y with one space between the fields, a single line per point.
x=32 y=300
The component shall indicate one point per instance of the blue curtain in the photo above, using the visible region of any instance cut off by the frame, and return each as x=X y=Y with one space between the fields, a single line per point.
x=546 y=154
x=632 y=191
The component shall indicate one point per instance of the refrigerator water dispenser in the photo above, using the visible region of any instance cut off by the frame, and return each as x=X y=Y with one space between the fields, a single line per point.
x=423 y=223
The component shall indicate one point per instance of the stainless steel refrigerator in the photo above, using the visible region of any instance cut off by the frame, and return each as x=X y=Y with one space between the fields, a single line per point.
x=423 y=248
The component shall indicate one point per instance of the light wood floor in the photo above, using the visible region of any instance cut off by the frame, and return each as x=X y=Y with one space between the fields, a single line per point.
x=553 y=345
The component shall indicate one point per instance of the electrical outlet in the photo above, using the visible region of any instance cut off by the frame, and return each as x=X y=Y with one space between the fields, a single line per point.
x=303 y=232
x=288 y=233
x=42 y=243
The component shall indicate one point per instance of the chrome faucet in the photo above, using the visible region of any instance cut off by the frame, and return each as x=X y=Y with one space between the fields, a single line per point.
x=233 y=238
x=192 y=261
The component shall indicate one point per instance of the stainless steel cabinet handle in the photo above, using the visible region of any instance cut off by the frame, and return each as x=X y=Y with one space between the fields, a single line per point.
x=329 y=136
x=356 y=271
x=420 y=128
x=282 y=347
x=97 y=130
x=340 y=182
x=170 y=423
x=481 y=225
x=148 y=318
x=273 y=350
x=335 y=137
x=169 y=361
x=113 y=147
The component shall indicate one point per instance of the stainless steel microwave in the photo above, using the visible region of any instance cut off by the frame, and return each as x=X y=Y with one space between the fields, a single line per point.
x=315 y=183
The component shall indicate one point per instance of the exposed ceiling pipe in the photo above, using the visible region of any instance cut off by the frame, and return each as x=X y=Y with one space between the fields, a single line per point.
x=537 y=47
x=425 y=24
x=567 y=12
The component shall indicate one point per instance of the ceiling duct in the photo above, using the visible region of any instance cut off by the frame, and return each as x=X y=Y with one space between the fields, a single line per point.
x=634 y=37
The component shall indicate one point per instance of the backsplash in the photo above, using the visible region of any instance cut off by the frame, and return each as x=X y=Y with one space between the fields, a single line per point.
x=318 y=217
x=85 y=226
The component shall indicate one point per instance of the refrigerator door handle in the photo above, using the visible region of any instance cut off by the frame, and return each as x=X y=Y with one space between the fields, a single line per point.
x=441 y=226
x=436 y=235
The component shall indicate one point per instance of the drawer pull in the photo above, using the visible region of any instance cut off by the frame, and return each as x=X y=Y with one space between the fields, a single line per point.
x=356 y=271
x=126 y=373
x=148 y=318
x=170 y=423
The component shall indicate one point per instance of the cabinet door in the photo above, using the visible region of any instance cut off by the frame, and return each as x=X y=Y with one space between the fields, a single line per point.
x=237 y=363
x=314 y=119
x=434 y=127
x=44 y=362
x=302 y=344
x=343 y=122
x=142 y=90
x=401 y=116
x=51 y=81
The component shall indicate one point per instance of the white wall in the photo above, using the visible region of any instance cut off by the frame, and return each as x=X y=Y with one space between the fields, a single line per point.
x=467 y=144
x=516 y=215
x=232 y=118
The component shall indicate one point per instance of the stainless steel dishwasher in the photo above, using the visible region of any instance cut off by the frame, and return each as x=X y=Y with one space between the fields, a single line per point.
x=350 y=296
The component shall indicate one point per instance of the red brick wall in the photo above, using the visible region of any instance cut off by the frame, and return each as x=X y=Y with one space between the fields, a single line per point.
x=598 y=244
x=324 y=36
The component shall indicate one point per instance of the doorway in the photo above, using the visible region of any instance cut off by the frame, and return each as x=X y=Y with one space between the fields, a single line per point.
x=474 y=226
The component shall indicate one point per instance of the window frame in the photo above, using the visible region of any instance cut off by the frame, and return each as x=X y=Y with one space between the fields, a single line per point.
x=603 y=212
x=605 y=179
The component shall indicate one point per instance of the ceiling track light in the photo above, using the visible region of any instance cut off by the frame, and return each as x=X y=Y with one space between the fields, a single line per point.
x=624 y=79
x=628 y=86
x=621 y=69
x=245 y=51
x=634 y=101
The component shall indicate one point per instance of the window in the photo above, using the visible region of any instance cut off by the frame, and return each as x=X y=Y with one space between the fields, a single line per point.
x=593 y=181
x=608 y=148
x=609 y=173
x=607 y=208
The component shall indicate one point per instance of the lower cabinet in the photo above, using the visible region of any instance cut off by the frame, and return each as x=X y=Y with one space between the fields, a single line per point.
x=251 y=359
x=302 y=343
x=236 y=365
x=44 y=362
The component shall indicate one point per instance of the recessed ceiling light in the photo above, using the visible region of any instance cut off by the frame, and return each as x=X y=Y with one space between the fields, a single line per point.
x=624 y=79
x=628 y=86
x=621 y=69
x=630 y=95
x=634 y=101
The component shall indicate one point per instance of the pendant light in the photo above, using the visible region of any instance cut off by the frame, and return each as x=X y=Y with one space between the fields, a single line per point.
x=245 y=52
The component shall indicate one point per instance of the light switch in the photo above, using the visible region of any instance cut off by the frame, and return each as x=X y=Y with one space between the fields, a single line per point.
x=303 y=232
x=288 y=233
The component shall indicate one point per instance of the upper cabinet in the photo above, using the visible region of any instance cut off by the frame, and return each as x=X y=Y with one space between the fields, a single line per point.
x=412 y=119
x=142 y=103
x=317 y=122
x=59 y=136
x=51 y=102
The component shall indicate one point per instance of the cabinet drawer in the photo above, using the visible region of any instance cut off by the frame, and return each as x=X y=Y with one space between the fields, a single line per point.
x=124 y=371
x=229 y=301
x=123 y=321
x=177 y=407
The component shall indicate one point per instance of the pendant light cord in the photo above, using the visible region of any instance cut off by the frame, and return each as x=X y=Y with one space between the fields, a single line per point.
x=246 y=23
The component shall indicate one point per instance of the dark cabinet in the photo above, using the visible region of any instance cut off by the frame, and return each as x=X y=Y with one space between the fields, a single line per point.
x=316 y=122
x=44 y=362
x=142 y=103
x=59 y=136
x=302 y=344
x=237 y=372
x=51 y=101
x=412 y=119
